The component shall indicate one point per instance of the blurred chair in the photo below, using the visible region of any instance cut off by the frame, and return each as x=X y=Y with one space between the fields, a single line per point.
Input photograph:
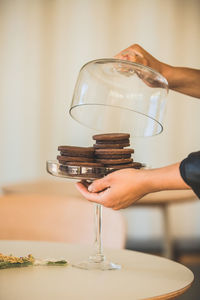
x=163 y=200
x=58 y=187
x=57 y=218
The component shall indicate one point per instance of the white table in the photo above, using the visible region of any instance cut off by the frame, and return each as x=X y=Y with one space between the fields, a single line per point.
x=142 y=276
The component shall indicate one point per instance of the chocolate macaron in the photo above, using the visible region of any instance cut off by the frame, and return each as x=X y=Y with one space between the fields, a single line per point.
x=113 y=153
x=111 y=137
x=76 y=151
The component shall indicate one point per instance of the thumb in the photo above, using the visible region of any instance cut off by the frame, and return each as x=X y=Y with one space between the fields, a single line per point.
x=99 y=185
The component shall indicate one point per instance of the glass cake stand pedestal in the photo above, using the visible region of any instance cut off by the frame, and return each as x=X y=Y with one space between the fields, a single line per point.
x=97 y=259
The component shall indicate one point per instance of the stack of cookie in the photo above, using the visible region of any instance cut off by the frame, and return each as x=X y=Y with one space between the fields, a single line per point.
x=77 y=156
x=111 y=152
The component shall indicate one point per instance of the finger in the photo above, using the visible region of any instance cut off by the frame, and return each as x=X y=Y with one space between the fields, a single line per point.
x=126 y=56
x=99 y=185
x=81 y=187
x=93 y=197
x=121 y=56
x=134 y=53
x=131 y=57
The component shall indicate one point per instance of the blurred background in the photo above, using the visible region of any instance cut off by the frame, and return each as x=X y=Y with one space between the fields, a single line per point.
x=43 y=45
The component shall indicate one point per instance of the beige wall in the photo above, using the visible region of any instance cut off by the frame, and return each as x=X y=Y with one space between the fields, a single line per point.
x=44 y=43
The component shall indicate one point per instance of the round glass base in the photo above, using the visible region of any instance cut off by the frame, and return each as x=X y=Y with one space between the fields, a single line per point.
x=91 y=265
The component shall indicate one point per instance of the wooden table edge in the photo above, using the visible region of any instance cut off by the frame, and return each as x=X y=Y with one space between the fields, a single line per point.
x=172 y=294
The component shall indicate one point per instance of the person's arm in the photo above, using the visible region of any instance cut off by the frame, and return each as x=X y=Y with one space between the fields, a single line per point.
x=182 y=80
x=122 y=188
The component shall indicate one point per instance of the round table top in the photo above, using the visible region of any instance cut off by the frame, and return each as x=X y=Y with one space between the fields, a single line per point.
x=142 y=276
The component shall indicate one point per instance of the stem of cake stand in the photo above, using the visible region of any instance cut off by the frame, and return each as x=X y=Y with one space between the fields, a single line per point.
x=97 y=261
x=98 y=255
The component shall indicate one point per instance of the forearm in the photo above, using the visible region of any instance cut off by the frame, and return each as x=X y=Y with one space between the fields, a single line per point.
x=166 y=178
x=182 y=80
x=122 y=188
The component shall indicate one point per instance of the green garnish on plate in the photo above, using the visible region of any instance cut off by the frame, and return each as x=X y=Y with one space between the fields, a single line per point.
x=10 y=261
x=57 y=263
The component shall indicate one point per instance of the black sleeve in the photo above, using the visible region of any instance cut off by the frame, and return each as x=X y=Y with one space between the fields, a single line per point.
x=190 y=171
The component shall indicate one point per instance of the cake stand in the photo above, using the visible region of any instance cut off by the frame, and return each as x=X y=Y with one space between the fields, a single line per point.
x=113 y=95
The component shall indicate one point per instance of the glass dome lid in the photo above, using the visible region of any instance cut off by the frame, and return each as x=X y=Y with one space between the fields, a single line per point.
x=113 y=95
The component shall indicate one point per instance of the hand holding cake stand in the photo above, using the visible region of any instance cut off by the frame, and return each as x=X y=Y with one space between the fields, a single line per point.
x=97 y=260
x=113 y=95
